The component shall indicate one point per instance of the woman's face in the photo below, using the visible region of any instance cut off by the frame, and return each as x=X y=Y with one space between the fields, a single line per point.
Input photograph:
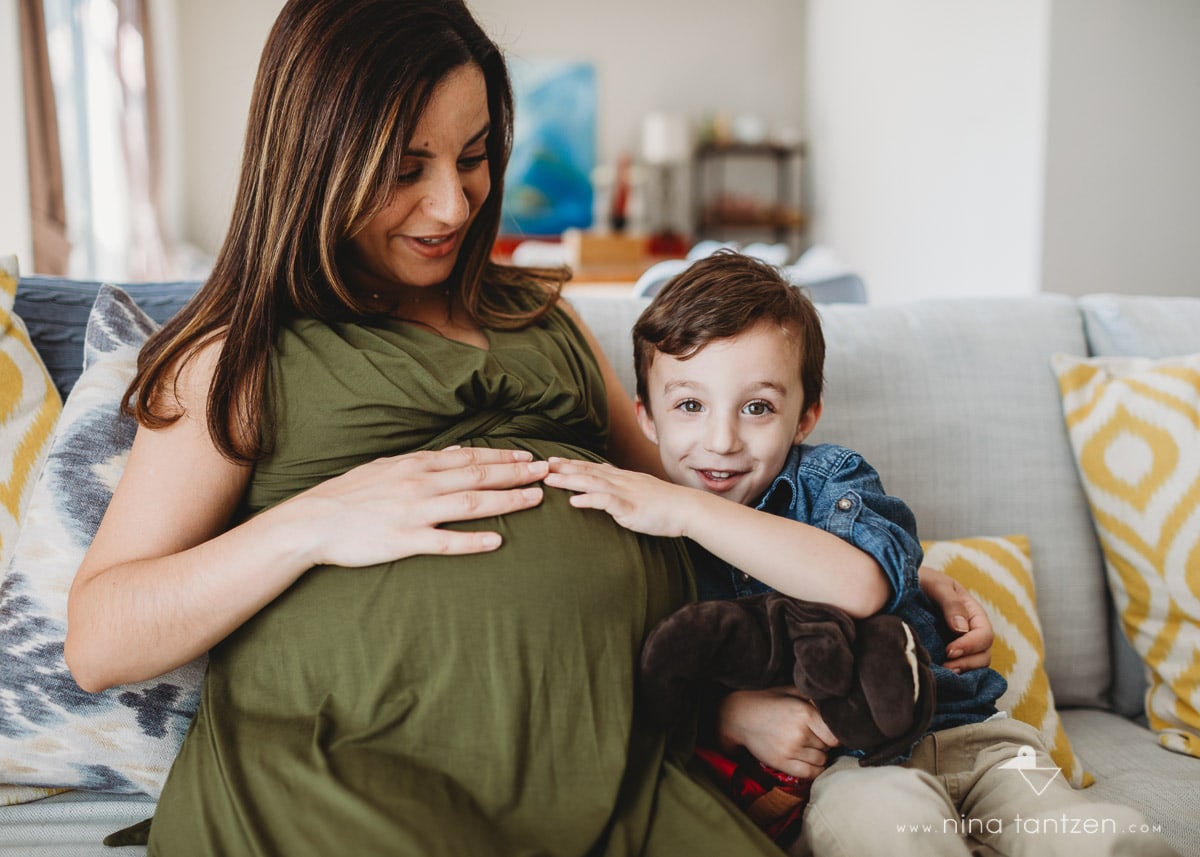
x=415 y=240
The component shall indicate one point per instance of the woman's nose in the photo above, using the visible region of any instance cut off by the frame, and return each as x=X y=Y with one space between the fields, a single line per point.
x=446 y=199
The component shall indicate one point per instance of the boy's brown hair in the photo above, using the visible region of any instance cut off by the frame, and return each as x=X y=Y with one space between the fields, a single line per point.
x=717 y=297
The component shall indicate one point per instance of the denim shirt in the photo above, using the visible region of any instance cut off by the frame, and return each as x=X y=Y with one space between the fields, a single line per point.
x=834 y=488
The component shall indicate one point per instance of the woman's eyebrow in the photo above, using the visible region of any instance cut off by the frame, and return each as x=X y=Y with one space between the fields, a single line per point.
x=475 y=138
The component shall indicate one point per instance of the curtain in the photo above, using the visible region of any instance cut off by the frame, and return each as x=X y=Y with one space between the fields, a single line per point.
x=48 y=212
x=97 y=87
x=139 y=139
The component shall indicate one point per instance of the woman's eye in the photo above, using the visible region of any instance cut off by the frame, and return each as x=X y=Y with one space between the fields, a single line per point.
x=757 y=409
x=471 y=162
x=408 y=177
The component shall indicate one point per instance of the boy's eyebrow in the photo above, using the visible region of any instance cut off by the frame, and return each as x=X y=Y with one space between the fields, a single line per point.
x=771 y=385
x=687 y=383
x=671 y=386
x=425 y=153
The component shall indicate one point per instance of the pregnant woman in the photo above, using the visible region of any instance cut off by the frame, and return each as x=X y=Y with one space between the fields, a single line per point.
x=335 y=488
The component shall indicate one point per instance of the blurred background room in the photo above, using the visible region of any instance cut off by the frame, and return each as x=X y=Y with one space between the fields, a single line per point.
x=932 y=147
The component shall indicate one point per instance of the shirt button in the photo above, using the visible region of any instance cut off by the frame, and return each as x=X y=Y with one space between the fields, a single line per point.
x=744 y=577
x=845 y=504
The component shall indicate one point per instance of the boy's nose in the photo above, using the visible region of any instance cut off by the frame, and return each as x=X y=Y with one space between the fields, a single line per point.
x=722 y=436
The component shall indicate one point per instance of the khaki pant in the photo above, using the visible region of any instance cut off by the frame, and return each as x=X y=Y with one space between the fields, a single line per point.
x=955 y=797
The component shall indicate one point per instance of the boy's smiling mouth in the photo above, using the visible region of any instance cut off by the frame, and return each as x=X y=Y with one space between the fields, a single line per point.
x=719 y=481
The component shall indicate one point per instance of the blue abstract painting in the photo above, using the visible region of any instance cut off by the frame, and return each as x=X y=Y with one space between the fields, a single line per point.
x=548 y=186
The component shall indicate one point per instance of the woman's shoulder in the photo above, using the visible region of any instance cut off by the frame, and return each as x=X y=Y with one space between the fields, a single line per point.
x=190 y=377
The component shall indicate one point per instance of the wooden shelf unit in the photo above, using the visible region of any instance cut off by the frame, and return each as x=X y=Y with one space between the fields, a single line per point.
x=716 y=212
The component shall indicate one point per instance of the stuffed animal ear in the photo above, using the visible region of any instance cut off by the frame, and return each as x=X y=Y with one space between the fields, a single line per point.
x=822 y=642
x=724 y=644
x=897 y=685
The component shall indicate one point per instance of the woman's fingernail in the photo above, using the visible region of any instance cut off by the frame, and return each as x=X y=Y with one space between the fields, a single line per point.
x=953 y=653
x=531 y=493
x=960 y=624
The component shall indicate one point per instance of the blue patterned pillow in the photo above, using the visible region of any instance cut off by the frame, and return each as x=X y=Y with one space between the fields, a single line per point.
x=52 y=733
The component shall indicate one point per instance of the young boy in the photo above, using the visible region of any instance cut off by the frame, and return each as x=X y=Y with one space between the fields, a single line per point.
x=729 y=361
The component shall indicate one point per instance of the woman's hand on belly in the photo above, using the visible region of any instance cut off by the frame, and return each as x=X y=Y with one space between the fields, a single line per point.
x=392 y=508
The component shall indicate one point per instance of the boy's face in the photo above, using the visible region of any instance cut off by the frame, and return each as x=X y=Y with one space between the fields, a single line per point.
x=726 y=418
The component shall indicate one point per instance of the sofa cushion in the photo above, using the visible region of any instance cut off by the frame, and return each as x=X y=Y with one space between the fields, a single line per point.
x=1134 y=425
x=1137 y=326
x=29 y=407
x=56 y=312
x=1131 y=769
x=51 y=732
x=999 y=573
x=954 y=403
x=1140 y=326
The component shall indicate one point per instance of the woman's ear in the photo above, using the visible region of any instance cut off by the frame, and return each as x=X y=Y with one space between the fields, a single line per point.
x=808 y=422
x=645 y=420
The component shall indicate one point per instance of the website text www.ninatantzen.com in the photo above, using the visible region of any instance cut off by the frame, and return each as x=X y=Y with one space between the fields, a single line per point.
x=1038 y=779
x=1032 y=825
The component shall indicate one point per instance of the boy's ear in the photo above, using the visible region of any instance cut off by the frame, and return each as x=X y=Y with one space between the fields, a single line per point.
x=645 y=420
x=808 y=422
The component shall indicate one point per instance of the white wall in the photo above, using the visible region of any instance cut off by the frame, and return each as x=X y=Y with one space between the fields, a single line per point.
x=16 y=235
x=220 y=42
x=926 y=129
x=1123 y=152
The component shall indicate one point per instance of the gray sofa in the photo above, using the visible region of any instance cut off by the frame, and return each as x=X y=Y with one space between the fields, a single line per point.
x=955 y=403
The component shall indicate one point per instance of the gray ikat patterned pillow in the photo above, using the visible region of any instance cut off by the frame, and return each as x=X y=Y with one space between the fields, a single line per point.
x=52 y=733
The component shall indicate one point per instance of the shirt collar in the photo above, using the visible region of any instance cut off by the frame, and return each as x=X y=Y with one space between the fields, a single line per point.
x=774 y=497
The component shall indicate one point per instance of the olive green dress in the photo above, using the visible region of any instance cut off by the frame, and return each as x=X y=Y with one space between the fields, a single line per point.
x=467 y=706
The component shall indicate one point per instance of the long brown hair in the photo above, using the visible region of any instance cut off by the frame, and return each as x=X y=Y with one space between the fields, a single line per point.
x=340 y=87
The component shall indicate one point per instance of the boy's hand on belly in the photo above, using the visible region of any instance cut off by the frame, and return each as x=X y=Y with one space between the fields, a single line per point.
x=636 y=501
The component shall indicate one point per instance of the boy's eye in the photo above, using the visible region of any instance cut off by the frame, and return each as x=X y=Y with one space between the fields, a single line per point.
x=757 y=408
x=690 y=406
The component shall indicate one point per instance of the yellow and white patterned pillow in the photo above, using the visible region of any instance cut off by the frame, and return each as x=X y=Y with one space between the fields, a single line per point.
x=1134 y=425
x=999 y=573
x=29 y=408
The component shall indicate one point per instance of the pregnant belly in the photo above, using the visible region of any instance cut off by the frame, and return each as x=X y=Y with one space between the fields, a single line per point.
x=495 y=669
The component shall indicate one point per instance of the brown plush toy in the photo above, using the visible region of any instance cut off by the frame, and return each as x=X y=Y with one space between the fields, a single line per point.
x=869 y=678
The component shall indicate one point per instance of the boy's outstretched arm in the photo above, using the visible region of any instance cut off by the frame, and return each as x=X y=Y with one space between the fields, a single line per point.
x=792 y=557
